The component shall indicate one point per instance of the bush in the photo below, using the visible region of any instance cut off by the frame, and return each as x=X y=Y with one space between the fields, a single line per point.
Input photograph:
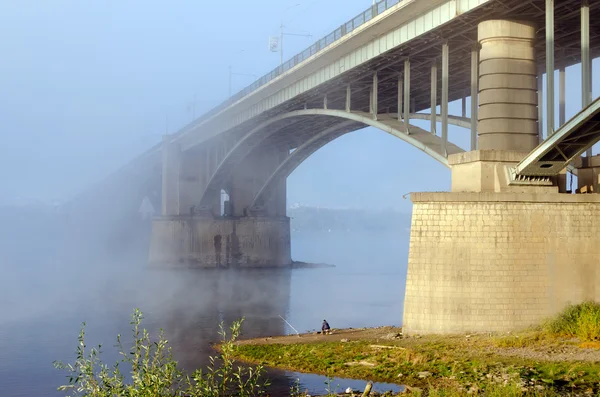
x=154 y=373
x=581 y=321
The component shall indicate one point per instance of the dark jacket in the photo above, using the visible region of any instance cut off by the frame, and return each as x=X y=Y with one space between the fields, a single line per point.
x=325 y=326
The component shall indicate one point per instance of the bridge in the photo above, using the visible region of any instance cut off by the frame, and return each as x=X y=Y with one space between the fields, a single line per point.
x=506 y=247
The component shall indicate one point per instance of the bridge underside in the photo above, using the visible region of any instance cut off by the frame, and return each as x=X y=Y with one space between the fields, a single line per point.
x=491 y=254
x=460 y=34
x=240 y=219
x=568 y=143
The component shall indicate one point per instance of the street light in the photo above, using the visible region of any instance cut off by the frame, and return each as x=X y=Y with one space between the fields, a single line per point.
x=281 y=34
x=237 y=74
x=231 y=73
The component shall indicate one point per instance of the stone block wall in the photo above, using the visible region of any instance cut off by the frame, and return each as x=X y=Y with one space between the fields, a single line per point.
x=499 y=261
x=221 y=242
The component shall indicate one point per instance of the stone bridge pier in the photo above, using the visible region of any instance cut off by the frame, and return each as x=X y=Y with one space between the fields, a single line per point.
x=492 y=255
x=205 y=227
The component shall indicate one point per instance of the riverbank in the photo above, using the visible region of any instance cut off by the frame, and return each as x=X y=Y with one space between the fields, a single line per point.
x=528 y=363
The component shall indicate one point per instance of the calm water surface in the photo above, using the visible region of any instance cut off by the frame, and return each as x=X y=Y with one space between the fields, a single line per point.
x=43 y=301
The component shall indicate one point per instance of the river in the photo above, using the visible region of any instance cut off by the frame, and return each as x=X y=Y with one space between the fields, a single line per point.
x=44 y=297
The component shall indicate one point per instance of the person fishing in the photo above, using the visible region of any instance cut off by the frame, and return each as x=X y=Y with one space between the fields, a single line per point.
x=325 y=327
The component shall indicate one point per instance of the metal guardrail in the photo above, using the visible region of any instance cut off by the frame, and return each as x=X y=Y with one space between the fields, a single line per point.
x=337 y=34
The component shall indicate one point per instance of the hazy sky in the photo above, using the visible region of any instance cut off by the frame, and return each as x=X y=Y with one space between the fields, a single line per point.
x=87 y=85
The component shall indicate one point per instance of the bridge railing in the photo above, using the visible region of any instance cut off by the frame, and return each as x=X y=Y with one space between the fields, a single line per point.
x=321 y=44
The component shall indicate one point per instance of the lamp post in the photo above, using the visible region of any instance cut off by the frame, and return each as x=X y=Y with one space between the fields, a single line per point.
x=237 y=74
x=281 y=34
x=231 y=73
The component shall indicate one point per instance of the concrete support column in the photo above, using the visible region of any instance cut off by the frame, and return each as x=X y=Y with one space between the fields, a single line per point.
x=550 y=67
x=444 y=104
x=251 y=174
x=171 y=162
x=375 y=96
x=406 y=96
x=540 y=97
x=434 y=74
x=507 y=86
x=562 y=86
x=348 y=98
x=400 y=96
x=191 y=181
x=586 y=63
x=474 y=96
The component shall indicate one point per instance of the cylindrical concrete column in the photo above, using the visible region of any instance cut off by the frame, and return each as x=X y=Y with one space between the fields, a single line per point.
x=507 y=86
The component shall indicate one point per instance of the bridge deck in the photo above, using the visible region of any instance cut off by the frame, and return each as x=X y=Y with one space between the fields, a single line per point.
x=562 y=148
x=459 y=30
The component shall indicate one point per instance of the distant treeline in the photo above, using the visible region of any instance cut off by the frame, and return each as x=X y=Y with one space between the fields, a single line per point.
x=325 y=219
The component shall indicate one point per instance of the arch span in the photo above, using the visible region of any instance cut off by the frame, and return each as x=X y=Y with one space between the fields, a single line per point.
x=296 y=158
x=452 y=120
x=316 y=142
x=417 y=137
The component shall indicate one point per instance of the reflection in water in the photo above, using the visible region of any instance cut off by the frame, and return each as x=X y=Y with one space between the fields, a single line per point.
x=44 y=298
x=208 y=297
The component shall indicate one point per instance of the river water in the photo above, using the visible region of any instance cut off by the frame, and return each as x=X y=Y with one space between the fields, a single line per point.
x=44 y=297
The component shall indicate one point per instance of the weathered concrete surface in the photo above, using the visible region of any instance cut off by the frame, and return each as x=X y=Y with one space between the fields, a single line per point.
x=251 y=174
x=588 y=174
x=485 y=171
x=507 y=86
x=221 y=242
x=499 y=261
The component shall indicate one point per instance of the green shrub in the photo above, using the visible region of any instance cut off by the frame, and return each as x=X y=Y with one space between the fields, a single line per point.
x=511 y=389
x=154 y=373
x=581 y=321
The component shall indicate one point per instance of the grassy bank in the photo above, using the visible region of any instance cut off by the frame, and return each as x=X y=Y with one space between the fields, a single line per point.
x=563 y=357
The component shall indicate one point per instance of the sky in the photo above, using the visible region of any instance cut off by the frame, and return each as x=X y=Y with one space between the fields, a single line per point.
x=88 y=85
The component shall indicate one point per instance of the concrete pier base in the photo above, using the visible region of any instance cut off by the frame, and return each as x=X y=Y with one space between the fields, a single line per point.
x=221 y=242
x=496 y=262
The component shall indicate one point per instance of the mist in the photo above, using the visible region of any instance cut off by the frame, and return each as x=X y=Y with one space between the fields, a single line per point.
x=87 y=87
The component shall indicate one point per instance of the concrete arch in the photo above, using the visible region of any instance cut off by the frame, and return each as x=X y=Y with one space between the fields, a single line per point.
x=296 y=158
x=319 y=140
x=417 y=137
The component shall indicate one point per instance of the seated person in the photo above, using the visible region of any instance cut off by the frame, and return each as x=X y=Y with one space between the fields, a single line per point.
x=325 y=327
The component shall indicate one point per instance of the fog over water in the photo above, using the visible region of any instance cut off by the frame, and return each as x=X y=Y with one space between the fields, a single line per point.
x=87 y=87
x=50 y=285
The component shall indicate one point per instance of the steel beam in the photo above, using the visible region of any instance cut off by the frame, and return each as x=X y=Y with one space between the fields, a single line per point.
x=586 y=63
x=550 y=67
x=406 y=95
x=433 y=98
x=474 y=95
x=570 y=141
x=444 y=104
